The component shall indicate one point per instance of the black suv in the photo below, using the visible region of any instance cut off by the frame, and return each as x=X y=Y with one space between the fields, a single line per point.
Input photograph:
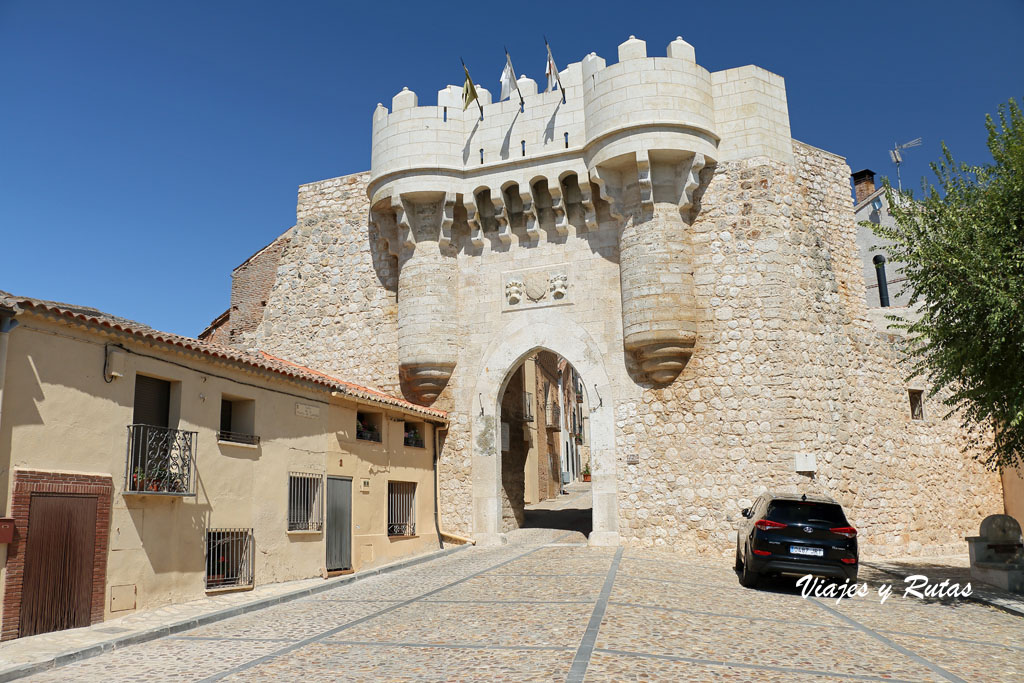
x=795 y=534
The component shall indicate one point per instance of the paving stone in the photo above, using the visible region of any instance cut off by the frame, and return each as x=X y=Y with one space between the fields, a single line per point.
x=521 y=612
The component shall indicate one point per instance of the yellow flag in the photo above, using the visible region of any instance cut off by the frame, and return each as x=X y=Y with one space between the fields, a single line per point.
x=468 y=90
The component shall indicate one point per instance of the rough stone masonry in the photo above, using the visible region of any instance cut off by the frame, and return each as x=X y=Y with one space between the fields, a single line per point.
x=661 y=230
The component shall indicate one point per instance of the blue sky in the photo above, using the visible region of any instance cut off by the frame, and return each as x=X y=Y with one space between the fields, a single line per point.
x=146 y=149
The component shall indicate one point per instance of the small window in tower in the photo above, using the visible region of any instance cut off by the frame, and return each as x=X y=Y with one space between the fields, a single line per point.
x=481 y=155
x=444 y=114
x=523 y=143
x=916 y=404
x=567 y=140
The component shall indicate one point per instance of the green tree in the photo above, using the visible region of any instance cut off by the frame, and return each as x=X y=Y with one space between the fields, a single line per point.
x=962 y=244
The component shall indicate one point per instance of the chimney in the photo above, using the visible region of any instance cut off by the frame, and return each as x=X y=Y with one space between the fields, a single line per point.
x=863 y=185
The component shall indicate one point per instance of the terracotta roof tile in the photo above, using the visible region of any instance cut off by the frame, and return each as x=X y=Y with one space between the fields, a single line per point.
x=260 y=360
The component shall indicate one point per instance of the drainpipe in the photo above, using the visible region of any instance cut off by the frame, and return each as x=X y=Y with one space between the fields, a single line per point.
x=437 y=514
x=441 y=535
x=883 y=286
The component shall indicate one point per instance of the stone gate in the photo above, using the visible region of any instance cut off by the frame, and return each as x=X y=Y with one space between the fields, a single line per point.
x=662 y=230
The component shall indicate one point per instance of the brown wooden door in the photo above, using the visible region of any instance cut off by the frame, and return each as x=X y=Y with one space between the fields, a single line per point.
x=57 y=587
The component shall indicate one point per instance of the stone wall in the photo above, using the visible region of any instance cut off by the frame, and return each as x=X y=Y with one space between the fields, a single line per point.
x=786 y=360
x=788 y=363
x=513 y=459
x=333 y=306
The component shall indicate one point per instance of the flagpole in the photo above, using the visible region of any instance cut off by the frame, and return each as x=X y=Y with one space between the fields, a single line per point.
x=522 y=103
x=551 y=61
x=477 y=98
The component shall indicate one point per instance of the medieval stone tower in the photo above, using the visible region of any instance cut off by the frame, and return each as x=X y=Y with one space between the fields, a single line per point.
x=661 y=230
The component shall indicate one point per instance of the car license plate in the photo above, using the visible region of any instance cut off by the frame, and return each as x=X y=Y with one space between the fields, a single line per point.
x=803 y=550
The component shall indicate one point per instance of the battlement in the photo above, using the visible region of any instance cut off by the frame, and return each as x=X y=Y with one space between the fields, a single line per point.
x=610 y=110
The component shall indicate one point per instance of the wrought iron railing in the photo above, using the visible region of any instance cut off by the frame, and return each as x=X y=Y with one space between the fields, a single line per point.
x=364 y=434
x=554 y=414
x=160 y=461
x=305 y=501
x=413 y=439
x=401 y=508
x=230 y=556
x=239 y=437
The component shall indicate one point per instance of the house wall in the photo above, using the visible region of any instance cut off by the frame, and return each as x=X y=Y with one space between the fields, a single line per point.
x=1013 y=493
x=548 y=458
x=870 y=245
x=59 y=415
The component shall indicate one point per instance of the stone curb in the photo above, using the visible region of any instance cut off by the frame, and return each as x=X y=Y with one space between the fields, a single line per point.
x=22 y=670
x=1014 y=607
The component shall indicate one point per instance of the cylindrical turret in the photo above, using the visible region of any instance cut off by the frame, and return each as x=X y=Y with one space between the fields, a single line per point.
x=415 y=228
x=659 y=311
x=426 y=320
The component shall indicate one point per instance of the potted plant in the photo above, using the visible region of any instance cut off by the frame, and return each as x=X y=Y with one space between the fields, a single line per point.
x=586 y=472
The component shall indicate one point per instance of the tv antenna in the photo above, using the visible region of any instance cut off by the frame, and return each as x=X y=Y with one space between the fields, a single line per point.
x=897 y=158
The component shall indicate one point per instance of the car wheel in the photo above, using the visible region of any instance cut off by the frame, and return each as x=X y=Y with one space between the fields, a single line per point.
x=739 y=563
x=748 y=577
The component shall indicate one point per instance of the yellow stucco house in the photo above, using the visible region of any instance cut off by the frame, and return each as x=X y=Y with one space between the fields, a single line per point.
x=139 y=468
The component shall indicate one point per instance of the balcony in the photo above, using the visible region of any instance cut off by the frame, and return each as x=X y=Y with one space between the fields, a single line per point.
x=524 y=411
x=239 y=438
x=160 y=461
x=553 y=414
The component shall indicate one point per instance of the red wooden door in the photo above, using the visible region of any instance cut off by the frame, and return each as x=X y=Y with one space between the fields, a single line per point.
x=57 y=587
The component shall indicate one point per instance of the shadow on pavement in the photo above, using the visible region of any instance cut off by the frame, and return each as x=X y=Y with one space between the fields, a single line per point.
x=570 y=519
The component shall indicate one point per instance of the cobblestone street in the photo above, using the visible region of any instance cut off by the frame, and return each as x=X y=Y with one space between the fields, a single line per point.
x=546 y=607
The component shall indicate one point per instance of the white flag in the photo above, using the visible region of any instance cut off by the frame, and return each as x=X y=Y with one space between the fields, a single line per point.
x=551 y=71
x=508 y=77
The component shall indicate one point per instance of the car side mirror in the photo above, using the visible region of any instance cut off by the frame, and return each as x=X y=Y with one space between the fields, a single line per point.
x=746 y=512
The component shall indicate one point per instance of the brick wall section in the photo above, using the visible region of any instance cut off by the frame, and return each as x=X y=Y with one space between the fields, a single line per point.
x=251 y=284
x=28 y=483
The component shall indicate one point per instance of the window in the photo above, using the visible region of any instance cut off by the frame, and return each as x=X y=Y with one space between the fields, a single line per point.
x=368 y=426
x=161 y=460
x=237 y=421
x=401 y=508
x=916 y=404
x=230 y=554
x=305 y=502
x=414 y=434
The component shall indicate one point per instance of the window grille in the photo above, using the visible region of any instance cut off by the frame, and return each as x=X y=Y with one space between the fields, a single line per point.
x=305 y=501
x=401 y=508
x=230 y=555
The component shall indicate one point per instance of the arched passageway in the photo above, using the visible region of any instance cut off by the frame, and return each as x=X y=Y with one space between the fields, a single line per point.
x=502 y=445
x=545 y=446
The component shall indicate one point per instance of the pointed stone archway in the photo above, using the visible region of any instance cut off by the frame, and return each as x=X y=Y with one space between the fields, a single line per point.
x=548 y=331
